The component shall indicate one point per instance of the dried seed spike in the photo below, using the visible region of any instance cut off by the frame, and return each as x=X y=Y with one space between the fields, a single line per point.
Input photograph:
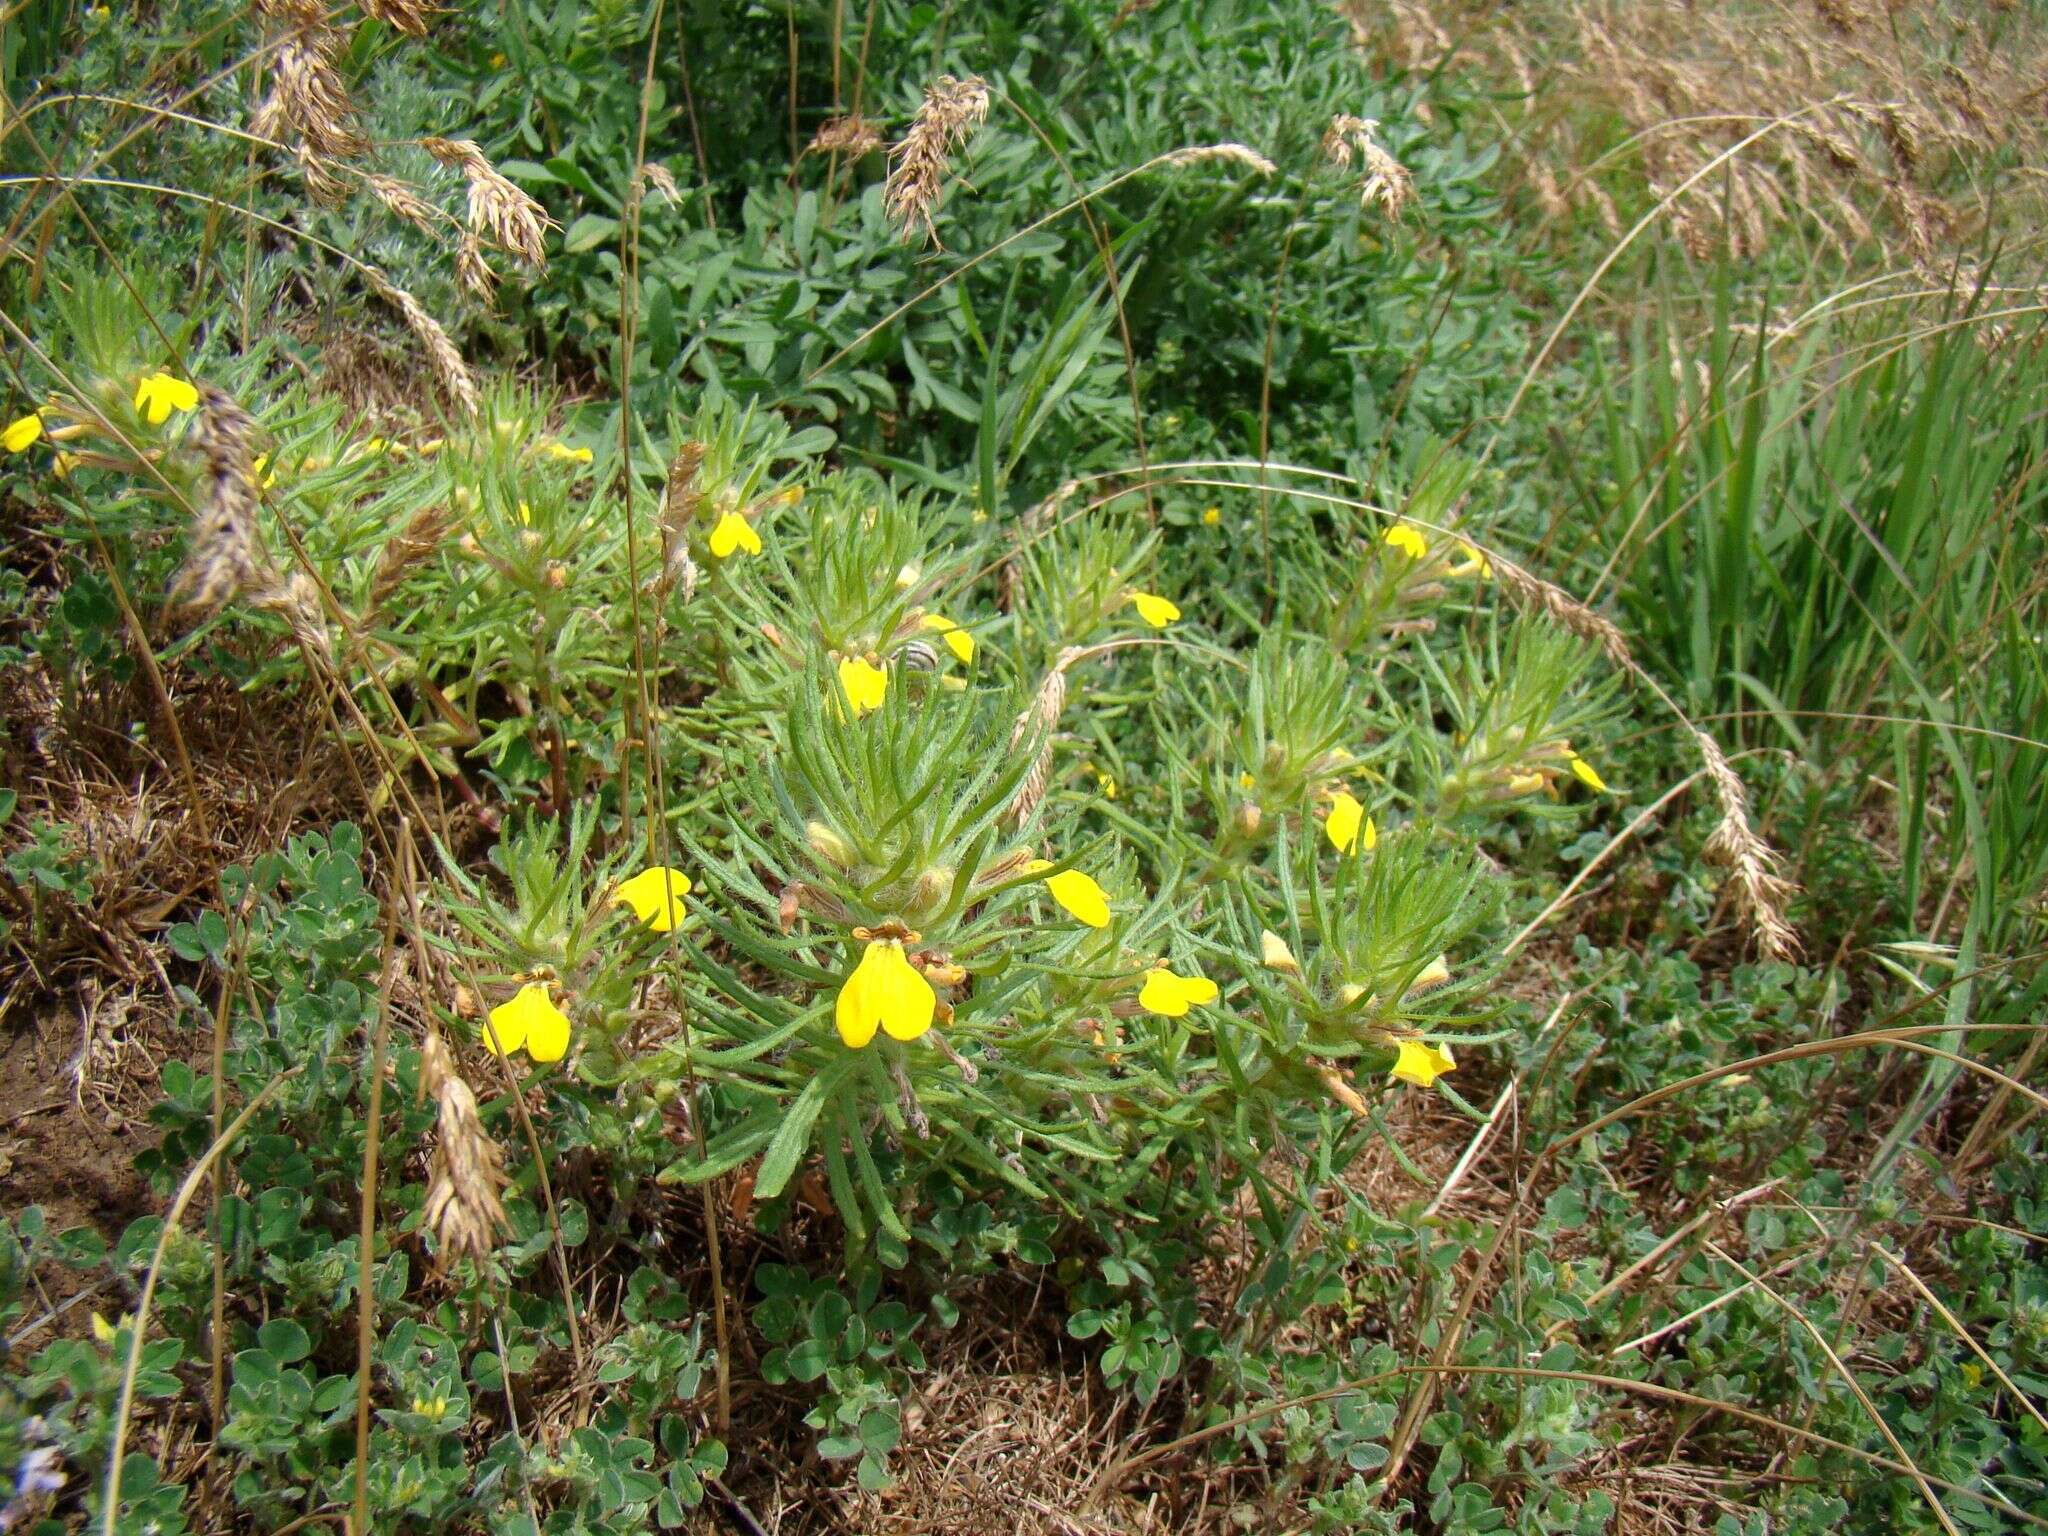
x=1387 y=181
x=224 y=555
x=454 y=372
x=951 y=111
x=1235 y=154
x=402 y=200
x=466 y=1169
x=1760 y=891
x=1037 y=722
x=414 y=543
x=1533 y=592
x=498 y=210
x=851 y=135
x=406 y=15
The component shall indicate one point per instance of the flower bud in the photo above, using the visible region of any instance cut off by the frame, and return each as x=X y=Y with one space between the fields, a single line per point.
x=828 y=845
x=1275 y=955
x=1249 y=818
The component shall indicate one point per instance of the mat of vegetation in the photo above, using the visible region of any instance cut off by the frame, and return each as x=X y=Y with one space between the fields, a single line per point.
x=1167 y=766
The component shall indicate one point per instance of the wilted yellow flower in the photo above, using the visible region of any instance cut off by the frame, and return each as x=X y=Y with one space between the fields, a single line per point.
x=1587 y=774
x=1525 y=783
x=958 y=640
x=734 y=532
x=1274 y=954
x=1408 y=539
x=1420 y=1063
x=22 y=431
x=1154 y=610
x=1348 y=823
x=162 y=393
x=567 y=455
x=656 y=897
x=884 y=992
x=865 y=683
x=530 y=1019
x=1475 y=562
x=1173 y=995
x=1082 y=898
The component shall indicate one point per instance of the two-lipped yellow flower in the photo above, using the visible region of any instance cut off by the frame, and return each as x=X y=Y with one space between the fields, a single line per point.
x=734 y=532
x=162 y=393
x=22 y=431
x=529 y=1019
x=1475 y=562
x=1408 y=539
x=884 y=992
x=1420 y=1063
x=1083 y=899
x=656 y=897
x=864 y=683
x=1587 y=775
x=958 y=640
x=1171 y=995
x=1348 y=823
x=1154 y=609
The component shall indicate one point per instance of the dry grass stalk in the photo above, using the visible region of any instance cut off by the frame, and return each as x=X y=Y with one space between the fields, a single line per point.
x=681 y=501
x=448 y=364
x=1386 y=181
x=851 y=135
x=498 y=210
x=1532 y=591
x=1235 y=154
x=1760 y=891
x=919 y=164
x=466 y=1169
x=1036 y=724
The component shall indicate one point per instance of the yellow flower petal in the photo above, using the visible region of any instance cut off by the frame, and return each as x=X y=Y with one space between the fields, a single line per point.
x=958 y=640
x=513 y=1022
x=162 y=393
x=1347 y=821
x=1171 y=995
x=656 y=897
x=1475 y=562
x=1274 y=954
x=734 y=532
x=103 y=1330
x=1154 y=610
x=866 y=685
x=1420 y=1063
x=1108 y=785
x=547 y=1032
x=884 y=992
x=1587 y=774
x=1082 y=898
x=1408 y=539
x=22 y=431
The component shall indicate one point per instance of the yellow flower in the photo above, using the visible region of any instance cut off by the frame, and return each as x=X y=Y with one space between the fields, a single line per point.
x=1587 y=774
x=530 y=1019
x=1154 y=610
x=656 y=897
x=1108 y=784
x=1420 y=1063
x=884 y=992
x=734 y=532
x=1173 y=995
x=435 y=1407
x=1083 y=899
x=958 y=640
x=865 y=683
x=1348 y=822
x=525 y=514
x=1408 y=539
x=1212 y=516
x=1274 y=954
x=1246 y=781
x=1525 y=783
x=1475 y=562
x=162 y=393
x=22 y=431
x=103 y=1330
x=567 y=455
